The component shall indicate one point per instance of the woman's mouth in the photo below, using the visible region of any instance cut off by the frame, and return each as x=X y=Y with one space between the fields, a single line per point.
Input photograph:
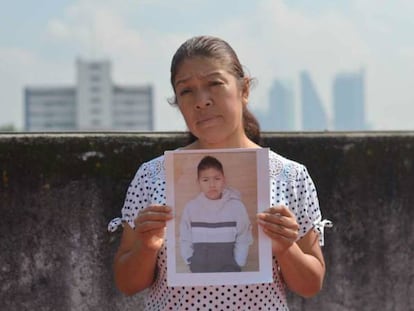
x=207 y=120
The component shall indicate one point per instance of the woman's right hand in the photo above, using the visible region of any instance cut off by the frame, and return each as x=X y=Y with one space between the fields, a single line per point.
x=135 y=260
x=150 y=225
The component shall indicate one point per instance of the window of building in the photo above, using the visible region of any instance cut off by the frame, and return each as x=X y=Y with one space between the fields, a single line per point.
x=95 y=78
x=95 y=100
x=95 y=89
x=95 y=66
x=95 y=111
x=96 y=122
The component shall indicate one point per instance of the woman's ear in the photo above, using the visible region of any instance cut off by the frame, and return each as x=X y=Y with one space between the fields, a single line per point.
x=245 y=90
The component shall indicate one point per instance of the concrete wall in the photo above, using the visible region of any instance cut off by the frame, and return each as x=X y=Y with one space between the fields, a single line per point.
x=58 y=192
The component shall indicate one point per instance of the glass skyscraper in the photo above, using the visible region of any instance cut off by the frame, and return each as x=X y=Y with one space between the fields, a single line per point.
x=348 y=101
x=313 y=113
x=280 y=115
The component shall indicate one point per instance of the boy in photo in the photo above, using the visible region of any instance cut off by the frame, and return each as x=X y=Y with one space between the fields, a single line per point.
x=215 y=231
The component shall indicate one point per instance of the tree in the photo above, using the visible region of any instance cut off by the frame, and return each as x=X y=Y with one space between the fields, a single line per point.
x=7 y=128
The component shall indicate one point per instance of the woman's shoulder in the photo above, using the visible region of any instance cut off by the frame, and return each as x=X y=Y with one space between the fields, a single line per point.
x=152 y=169
x=155 y=162
x=280 y=166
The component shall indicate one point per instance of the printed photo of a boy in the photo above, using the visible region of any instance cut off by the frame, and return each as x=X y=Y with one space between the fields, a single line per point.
x=214 y=238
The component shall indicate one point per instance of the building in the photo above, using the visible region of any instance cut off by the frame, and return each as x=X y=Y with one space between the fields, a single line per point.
x=93 y=104
x=349 y=102
x=280 y=115
x=50 y=109
x=314 y=117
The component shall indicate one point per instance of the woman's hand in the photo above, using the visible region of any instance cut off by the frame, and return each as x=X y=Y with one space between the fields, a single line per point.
x=279 y=223
x=301 y=261
x=135 y=260
x=150 y=225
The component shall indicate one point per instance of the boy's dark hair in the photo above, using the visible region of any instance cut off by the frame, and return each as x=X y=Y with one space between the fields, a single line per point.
x=209 y=162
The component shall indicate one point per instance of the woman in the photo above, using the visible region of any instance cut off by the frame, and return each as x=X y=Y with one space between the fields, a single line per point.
x=212 y=91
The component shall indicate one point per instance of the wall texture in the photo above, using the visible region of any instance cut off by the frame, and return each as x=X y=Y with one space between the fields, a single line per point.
x=58 y=192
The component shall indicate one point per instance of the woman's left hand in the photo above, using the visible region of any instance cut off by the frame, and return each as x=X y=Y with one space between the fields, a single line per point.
x=280 y=224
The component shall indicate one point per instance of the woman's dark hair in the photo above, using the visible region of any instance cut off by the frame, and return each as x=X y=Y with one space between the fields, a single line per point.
x=216 y=48
x=209 y=162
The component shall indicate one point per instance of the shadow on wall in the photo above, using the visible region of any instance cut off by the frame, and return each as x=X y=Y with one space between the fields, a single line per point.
x=58 y=192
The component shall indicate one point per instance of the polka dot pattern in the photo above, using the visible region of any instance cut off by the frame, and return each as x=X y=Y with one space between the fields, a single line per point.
x=290 y=185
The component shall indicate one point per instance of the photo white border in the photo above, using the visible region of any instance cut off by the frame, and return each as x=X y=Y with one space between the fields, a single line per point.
x=264 y=274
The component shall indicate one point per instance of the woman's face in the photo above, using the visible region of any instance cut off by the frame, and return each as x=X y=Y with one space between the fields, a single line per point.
x=211 y=101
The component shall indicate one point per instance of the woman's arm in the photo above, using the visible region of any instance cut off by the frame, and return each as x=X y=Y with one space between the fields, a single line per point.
x=135 y=260
x=301 y=262
x=303 y=265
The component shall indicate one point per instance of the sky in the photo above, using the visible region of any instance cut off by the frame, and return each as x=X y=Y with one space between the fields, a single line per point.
x=41 y=40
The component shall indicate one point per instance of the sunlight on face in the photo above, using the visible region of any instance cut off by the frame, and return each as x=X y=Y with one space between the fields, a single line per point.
x=211 y=183
x=211 y=101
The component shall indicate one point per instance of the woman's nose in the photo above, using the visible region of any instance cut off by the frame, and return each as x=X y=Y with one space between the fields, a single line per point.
x=203 y=100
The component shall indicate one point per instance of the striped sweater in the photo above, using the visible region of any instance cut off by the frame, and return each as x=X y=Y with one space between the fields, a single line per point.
x=215 y=234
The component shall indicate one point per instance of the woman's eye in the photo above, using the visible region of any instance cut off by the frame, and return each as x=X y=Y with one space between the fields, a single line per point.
x=184 y=92
x=215 y=83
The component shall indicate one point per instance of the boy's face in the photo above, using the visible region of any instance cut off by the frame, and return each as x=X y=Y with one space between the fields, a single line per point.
x=211 y=183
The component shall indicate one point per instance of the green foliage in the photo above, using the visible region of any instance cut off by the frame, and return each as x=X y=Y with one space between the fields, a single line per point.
x=7 y=128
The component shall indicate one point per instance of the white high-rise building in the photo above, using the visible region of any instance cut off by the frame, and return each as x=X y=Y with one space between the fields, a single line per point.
x=94 y=104
x=50 y=109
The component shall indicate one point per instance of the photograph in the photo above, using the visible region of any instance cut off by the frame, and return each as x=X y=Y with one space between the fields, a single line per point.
x=215 y=196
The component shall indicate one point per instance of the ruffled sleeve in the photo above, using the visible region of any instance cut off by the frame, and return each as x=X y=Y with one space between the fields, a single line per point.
x=310 y=216
x=319 y=226
x=137 y=196
x=147 y=187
